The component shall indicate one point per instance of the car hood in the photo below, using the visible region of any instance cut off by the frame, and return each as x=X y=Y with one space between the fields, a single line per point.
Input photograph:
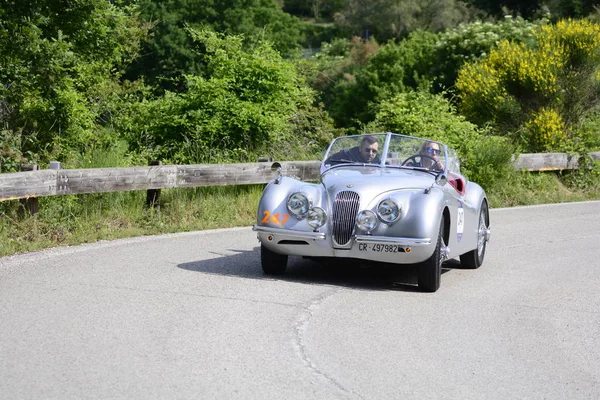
x=367 y=179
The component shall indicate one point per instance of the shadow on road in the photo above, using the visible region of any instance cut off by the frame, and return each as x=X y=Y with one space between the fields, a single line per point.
x=339 y=272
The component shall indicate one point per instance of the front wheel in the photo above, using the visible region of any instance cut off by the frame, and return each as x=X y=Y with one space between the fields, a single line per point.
x=474 y=258
x=430 y=270
x=272 y=263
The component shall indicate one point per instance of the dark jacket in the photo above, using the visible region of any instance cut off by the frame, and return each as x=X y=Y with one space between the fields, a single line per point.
x=352 y=154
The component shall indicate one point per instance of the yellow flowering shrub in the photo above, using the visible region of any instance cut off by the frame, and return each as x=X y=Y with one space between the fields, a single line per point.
x=577 y=40
x=533 y=89
x=480 y=90
x=546 y=130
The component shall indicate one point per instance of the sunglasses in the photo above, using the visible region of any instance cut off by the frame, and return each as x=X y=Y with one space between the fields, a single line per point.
x=433 y=151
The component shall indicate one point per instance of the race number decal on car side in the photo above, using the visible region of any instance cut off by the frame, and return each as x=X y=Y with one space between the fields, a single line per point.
x=460 y=221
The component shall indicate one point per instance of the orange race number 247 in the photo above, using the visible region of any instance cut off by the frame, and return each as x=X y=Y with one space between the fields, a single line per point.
x=274 y=218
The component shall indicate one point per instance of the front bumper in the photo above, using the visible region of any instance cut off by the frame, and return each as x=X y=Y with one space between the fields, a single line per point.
x=397 y=250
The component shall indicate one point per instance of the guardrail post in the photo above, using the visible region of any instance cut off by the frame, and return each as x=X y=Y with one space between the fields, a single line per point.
x=29 y=205
x=153 y=195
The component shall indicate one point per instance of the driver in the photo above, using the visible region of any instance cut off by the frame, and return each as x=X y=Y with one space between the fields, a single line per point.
x=431 y=152
x=365 y=153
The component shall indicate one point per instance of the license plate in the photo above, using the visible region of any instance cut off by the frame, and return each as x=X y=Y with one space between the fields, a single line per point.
x=381 y=248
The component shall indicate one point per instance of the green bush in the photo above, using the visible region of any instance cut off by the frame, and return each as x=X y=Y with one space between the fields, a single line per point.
x=11 y=156
x=470 y=42
x=430 y=116
x=59 y=74
x=248 y=99
x=333 y=74
x=588 y=132
x=586 y=177
x=377 y=74
x=484 y=159
x=490 y=162
x=537 y=94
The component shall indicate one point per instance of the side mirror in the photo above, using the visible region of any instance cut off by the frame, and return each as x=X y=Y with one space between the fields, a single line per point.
x=441 y=179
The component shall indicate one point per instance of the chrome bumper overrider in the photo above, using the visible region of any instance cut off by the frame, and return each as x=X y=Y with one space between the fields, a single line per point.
x=290 y=233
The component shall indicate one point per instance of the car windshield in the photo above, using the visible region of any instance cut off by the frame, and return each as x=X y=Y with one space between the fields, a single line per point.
x=391 y=150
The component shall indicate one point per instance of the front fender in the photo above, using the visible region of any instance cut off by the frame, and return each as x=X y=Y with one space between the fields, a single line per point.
x=421 y=213
x=272 y=208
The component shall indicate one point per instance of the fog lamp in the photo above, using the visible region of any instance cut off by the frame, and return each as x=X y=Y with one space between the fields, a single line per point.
x=366 y=220
x=316 y=217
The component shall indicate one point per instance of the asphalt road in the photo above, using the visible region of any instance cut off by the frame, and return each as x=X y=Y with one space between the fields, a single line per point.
x=192 y=316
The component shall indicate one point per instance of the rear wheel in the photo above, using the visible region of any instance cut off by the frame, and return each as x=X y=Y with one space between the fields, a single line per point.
x=430 y=270
x=474 y=258
x=272 y=263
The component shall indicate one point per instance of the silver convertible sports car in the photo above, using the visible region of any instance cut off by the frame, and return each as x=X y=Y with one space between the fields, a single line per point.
x=381 y=197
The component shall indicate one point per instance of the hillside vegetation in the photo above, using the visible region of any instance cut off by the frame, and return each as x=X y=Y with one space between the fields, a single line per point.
x=103 y=83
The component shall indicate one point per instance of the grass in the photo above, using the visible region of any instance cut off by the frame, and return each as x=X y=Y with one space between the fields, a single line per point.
x=538 y=188
x=71 y=220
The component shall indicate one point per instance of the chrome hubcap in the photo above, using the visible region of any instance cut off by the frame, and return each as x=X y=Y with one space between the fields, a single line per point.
x=483 y=235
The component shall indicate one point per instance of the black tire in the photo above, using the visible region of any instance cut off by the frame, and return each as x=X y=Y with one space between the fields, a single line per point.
x=272 y=263
x=430 y=270
x=474 y=258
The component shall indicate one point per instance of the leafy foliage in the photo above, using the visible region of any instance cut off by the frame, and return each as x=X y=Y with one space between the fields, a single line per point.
x=429 y=116
x=333 y=76
x=317 y=9
x=470 y=41
x=524 y=8
x=386 y=20
x=484 y=159
x=245 y=100
x=536 y=93
x=60 y=63
x=351 y=89
x=170 y=53
x=354 y=90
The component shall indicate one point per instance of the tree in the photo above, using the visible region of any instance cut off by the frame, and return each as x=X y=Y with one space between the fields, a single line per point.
x=387 y=19
x=246 y=100
x=522 y=8
x=469 y=42
x=169 y=54
x=317 y=9
x=60 y=66
x=354 y=91
x=540 y=93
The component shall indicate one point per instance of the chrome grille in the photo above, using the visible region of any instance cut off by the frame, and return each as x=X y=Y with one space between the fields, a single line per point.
x=345 y=208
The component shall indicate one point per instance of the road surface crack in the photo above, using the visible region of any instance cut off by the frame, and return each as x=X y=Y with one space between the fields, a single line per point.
x=300 y=328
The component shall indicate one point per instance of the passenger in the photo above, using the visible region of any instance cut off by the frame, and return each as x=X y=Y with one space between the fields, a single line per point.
x=431 y=151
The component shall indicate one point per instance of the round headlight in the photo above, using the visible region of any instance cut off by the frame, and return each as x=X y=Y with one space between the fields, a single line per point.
x=298 y=205
x=316 y=217
x=366 y=220
x=388 y=211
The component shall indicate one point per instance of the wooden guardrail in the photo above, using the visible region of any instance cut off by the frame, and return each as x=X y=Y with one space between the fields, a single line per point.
x=549 y=161
x=52 y=182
